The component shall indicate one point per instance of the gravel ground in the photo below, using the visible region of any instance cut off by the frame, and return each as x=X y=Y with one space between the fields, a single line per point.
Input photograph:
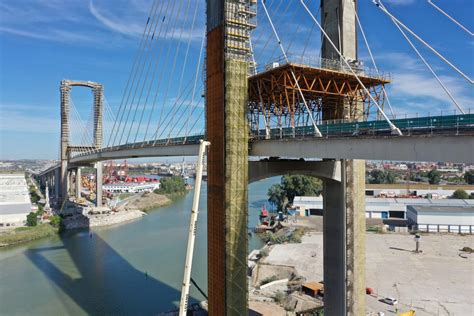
x=435 y=282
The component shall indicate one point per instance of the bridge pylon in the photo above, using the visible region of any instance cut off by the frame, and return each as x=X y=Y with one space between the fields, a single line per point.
x=67 y=149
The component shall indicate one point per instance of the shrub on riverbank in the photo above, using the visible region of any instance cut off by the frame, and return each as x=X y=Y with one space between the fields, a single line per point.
x=24 y=234
x=172 y=185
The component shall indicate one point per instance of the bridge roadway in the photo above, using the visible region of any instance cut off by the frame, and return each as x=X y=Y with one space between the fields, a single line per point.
x=457 y=148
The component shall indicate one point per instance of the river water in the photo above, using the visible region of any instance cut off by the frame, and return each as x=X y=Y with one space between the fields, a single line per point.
x=130 y=269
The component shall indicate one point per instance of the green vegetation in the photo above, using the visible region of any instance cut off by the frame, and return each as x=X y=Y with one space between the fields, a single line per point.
x=469 y=177
x=282 y=194
x=24 y=234
x=279 y=238
x=34 y=197
x=460 y=194
x=55 y=221
x=32 y=219
x=434 y=176
x=172 y=185
x=381 y=176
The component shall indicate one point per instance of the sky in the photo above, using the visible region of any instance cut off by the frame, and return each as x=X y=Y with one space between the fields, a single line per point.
x=44 y=42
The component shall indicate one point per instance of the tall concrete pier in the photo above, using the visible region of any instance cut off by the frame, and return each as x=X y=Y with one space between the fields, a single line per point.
x=344 y=206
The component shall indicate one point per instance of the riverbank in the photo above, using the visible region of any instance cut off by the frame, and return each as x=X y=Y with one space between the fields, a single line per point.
x=100 y=220
x=24 y=234
x=148 y=201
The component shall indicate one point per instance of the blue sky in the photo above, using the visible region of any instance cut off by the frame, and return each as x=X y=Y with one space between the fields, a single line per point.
x=43 y=42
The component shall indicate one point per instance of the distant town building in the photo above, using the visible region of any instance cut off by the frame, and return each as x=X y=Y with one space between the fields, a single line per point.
x=15 y=202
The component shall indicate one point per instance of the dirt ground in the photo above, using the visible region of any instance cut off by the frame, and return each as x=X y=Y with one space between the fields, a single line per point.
x=437 y=281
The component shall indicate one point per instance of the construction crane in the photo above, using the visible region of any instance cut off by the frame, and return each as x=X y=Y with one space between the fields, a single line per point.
x=183 y=305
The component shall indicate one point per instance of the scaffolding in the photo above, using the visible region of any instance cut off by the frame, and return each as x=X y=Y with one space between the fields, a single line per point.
x=331 y=91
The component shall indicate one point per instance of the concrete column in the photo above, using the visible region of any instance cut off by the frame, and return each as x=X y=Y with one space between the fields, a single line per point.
x=98 y=183
x=339 y=22
x=344 y=241
x=98 y=109
x=78 y=183
x=65 y=95
x=57 y=183
x=334 y=245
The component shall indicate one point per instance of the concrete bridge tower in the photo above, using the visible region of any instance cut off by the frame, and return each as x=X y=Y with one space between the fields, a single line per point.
x=344 y=209
x=67 y=148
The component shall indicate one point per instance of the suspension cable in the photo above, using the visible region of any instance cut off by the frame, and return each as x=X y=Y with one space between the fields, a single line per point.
x=451 y=18
x=316 y=130
x=392 y=126
x=380 y=5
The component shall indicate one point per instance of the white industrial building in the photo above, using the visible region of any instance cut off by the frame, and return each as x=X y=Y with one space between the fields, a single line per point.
x=15 y=202
x=426 y=214
x=131 y=187
x=435 y=218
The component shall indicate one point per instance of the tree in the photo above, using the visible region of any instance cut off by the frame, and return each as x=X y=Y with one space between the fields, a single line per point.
x=460 y=194
x=389 y=177
x=32 y=219
x=170 y=185
x=376 y=176
x=434 y=176
x=280 y=195
x=55 y=220
x=469 y=177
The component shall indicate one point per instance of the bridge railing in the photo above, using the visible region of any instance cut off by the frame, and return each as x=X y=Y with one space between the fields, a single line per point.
x=445 y=122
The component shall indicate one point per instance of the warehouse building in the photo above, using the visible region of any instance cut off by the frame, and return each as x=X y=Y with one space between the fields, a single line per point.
x=446 y=218
x=15 y=202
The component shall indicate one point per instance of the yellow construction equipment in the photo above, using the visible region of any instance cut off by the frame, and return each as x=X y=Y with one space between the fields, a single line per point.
x=409 y=313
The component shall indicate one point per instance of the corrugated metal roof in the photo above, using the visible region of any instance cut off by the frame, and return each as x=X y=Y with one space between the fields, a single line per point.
x=442 y=209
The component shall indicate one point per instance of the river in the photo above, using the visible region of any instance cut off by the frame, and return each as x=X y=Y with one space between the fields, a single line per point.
x=130 y=269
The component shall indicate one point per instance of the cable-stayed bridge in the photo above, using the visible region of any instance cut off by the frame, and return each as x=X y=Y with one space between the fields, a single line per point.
x=281 y=85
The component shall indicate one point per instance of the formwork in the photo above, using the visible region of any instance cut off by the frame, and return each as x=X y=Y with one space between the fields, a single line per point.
x=331 y=92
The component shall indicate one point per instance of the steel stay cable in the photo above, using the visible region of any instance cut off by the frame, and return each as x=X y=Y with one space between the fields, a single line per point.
x=151 y=84
x=175 y=59
x=392 y=126
x=142 y=41
x=174 y=109
x=380 y=5
x=165 y=98
x=148 y=62
x=451 y=18
x=372 y=57
x=429 y=67
x=316 y=130
x=160 y=79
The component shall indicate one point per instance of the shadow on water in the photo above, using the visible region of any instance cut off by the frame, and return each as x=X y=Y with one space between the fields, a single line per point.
x=105 y=283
